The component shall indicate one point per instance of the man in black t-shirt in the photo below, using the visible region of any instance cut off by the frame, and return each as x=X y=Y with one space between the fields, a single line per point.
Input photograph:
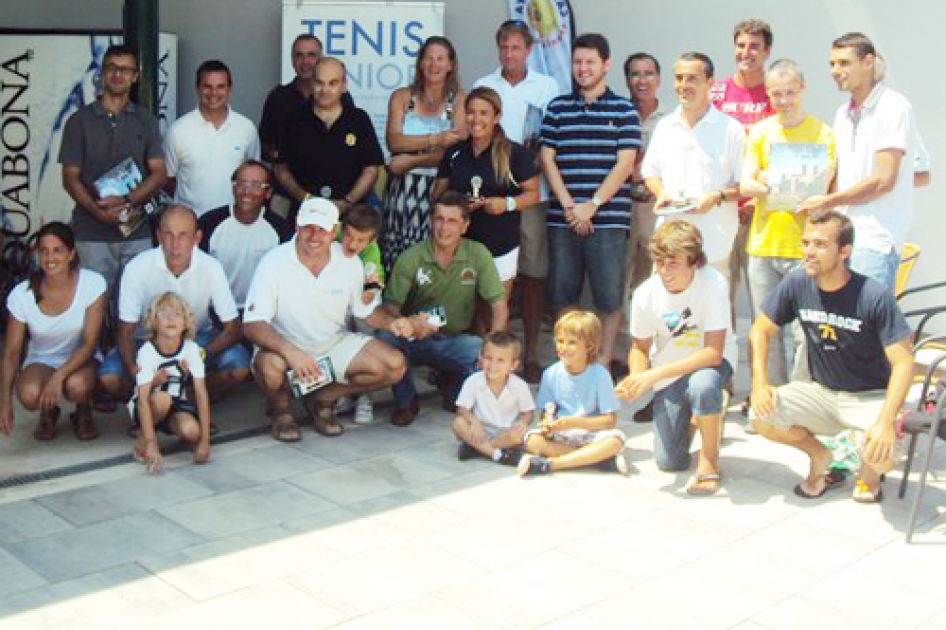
x=858 y=347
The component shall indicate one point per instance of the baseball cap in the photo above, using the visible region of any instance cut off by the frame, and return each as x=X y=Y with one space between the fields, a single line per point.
x=317 y=211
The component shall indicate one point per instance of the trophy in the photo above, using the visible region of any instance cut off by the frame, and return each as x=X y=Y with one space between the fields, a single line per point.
x=476 y=182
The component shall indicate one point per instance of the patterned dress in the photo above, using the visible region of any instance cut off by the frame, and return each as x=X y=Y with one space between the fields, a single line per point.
x=406 y=206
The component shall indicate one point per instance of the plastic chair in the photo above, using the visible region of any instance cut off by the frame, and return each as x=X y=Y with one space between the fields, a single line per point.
x=926 y=419
x=908 y=257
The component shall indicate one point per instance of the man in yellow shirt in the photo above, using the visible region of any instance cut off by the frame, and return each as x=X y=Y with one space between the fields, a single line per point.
x=789 y=157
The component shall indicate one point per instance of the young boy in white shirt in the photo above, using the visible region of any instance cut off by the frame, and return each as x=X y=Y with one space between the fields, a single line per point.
x=495 y=406
x=684 y=349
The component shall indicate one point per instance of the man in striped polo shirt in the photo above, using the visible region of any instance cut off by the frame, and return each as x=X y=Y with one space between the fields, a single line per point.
x=590 y=140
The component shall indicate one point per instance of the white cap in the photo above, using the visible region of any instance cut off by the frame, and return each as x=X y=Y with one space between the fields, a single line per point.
x=318 y=211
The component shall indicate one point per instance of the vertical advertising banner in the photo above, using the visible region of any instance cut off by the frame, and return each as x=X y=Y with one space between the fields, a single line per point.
x=378 y=41
x=44 y=79
x=552 y=25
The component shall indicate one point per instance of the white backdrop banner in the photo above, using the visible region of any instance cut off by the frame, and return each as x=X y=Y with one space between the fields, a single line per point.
x=378 y=41
x=44 y=79
x=551 y=24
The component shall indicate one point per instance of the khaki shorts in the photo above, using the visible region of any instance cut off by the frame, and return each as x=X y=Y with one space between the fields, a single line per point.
x=534 y=242
x=341 y=349
x=824 y=411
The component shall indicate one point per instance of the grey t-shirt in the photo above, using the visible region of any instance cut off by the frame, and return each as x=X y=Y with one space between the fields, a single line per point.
x=95 y=141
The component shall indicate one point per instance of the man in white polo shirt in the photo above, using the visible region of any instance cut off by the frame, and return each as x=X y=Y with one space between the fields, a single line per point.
x=525 y=94
x=296 y=311
x=206 y=145
x=177 y=265
x=694 y=160
x=876 y=147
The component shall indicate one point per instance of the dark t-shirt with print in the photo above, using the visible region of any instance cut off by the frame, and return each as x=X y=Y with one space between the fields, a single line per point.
x=845 y=330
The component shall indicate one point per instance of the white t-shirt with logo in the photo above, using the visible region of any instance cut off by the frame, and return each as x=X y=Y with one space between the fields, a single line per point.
x=677 y=322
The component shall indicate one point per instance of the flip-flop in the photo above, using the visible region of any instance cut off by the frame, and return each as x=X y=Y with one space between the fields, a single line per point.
x=284 y=427
x=862 y=493
x=696 y=487
x=328 y=427
x=832 y=479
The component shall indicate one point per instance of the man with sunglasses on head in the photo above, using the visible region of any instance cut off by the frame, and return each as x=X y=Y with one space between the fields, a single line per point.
x=240 y=234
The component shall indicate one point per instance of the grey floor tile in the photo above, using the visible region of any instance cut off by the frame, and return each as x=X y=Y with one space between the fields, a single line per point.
x=132 y=495
x=94 y=548
x=423 y=613
x=375 y=580
x=260 y=465
x=16 y=576
x=118 y=597
x=225 y=566
x=273 y=605
x=535 y=590
x=348 y=533
x=245 y=510
x=23 y=520
x=364 y=480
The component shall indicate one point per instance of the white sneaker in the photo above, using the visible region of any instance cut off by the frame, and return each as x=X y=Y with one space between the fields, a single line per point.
x=364 y=410
x=344 y=405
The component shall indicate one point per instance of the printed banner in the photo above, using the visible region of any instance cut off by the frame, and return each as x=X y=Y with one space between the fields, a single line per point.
x=378 y=41
x=44 y=79
x=552 y=26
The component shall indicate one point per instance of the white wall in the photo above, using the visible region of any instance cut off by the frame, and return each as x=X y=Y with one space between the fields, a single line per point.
x=245 y=34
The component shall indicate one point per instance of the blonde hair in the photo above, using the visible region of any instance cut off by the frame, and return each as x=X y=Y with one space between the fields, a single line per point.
x=678 y=237
x=582 y=324
x=172 y=299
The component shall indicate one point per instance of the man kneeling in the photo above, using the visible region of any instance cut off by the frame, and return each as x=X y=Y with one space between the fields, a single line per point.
x=296 y=311
x=683 y=310
x=858 y=347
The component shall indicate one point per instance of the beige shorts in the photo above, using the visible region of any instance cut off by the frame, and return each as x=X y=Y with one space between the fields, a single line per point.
x=824 y=411
x=534 y=242
x=341 y=349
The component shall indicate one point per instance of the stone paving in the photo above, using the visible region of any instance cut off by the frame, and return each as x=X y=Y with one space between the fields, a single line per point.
x=385 y=528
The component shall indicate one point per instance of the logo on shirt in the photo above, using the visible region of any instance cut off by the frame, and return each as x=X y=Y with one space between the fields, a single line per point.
x=468 y=276
x=422 y=277
x=350 y=139
x=833 y=321
x=678 y=323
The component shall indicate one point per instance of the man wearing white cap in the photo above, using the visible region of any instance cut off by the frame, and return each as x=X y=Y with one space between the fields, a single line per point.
x=295 y=314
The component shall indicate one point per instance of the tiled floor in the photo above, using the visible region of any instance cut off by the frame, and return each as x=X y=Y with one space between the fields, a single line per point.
x=384 y=528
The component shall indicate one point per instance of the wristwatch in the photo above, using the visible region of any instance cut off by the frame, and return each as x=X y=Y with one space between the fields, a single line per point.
x=597 y=201
x=510 y=204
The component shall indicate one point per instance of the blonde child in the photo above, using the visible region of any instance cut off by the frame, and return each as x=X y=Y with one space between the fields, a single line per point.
x=495 y=406
x=359 y=237
x=168 y=364
x=578 y=426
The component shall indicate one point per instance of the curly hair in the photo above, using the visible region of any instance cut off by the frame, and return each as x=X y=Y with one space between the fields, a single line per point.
x=169 y=299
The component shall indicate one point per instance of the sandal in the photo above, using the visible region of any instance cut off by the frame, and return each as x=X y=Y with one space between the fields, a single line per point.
x=284 y=427
x=323 y=418
x=704 y=484
x=832 y=479
x=46 y=428
x=83 y=425
x=863 y=494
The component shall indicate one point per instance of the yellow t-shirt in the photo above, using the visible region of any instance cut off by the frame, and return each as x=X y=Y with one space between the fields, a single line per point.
x=778 y=233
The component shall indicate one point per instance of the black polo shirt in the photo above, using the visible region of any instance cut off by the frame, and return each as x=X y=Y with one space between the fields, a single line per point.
x=327 y=161
x=500 y=233
x=280 y=105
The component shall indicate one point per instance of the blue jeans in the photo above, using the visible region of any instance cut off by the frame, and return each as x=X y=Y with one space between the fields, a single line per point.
x=456 y=354
x=877 y=265
x=697 y=394
x=602 y=253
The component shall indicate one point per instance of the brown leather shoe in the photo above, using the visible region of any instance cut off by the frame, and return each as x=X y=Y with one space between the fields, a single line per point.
x=403 y=417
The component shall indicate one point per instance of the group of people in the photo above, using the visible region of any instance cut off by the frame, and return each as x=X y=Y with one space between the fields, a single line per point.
x=296 y=273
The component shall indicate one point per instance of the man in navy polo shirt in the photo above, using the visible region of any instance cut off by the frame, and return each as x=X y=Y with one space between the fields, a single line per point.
x=590 y=140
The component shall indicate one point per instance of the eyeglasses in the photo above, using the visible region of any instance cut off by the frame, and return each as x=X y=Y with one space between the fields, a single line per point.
x=248 y=185
x=166 y=315
x=111 y=68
